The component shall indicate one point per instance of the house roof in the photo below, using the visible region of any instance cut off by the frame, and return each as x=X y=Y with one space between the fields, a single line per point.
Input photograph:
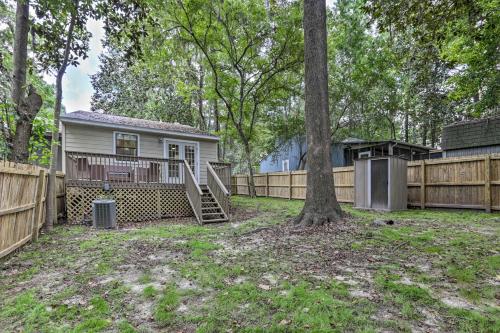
x=364 y=144
x=121 y=122
x=473 y=133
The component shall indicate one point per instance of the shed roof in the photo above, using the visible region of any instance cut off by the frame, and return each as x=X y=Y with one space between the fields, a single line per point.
x=473 y=133
x=93 y=118
x=365 y=144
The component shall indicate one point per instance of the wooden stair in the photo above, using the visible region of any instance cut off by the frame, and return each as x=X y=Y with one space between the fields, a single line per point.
x=211 y=211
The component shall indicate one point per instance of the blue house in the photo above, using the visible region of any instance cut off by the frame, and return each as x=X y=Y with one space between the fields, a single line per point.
x=291 y=155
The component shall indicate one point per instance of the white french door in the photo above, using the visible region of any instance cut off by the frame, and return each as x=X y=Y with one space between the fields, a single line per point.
x=180 y=150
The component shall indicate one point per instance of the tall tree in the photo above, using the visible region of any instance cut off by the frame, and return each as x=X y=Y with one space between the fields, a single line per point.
x=246 y=52
x=144 y=89
x=465 y=34
x=62 y=64
x=65 y=41
x=38 y=146
x=321 y=204
x=26 y=103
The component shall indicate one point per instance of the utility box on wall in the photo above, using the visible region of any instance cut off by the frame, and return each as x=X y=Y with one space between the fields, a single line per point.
x=381 y=183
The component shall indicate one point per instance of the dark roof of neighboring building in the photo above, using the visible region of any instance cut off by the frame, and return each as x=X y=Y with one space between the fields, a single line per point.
x=473 y=133
x=364 y=144
x=97 y=117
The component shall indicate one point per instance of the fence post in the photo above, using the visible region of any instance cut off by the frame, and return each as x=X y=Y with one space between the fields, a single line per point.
x=289 y=185
x=422 y=184
x=37 y=214
x=267 y=184
x=248 y=184
x=487 y=185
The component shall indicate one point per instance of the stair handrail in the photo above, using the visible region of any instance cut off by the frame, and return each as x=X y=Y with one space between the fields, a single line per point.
x=223 y=170
x=218 y=190
x=217 y=179
x=193 y=191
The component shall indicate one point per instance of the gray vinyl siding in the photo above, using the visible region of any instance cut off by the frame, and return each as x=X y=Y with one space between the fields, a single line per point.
x=88 y=139
x=208 y=153
x=472 y=151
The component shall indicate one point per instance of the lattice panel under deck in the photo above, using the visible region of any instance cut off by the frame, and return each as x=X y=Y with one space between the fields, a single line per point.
x=174 y=203
x=133 y=204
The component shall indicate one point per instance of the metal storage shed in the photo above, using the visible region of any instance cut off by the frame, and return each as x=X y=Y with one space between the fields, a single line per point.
x=381 y=183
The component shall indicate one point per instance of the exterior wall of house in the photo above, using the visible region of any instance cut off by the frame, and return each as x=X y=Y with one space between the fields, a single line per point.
x=292 y=151
x=99 y=140
x=338 y=157
x=472 y=151
x=208 y=153
x=475 y=137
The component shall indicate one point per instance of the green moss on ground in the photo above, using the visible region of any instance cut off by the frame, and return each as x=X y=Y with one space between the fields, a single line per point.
x=432 y=269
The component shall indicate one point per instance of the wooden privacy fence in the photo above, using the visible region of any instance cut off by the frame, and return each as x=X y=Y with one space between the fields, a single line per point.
x=464 y=182
x=22 y=203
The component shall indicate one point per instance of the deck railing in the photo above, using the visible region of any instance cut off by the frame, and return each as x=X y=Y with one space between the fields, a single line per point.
x=120 y=170
x=193 y=192
x=218 y=189
x=223 y=171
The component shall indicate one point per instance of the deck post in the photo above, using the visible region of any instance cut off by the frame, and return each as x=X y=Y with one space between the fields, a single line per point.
x=487 y=184
x=422 y=184
x=37 y=214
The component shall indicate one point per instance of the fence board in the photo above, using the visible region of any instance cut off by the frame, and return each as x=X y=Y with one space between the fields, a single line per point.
x=18 y=202
x=471 y=182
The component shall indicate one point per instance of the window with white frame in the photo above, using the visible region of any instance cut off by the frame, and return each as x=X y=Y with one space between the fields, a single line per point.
x=126 y=144
x=285 y=165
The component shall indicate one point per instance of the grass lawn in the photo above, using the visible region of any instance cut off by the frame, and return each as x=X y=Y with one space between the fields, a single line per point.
x=432 y=271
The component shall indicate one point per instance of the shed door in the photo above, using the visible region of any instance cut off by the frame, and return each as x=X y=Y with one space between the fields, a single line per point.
x=379 y=183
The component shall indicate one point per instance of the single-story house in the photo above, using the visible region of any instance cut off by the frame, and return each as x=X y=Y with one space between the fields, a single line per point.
x=474 y=137
x=290 y=156
x=109 y=152
x=98 y=133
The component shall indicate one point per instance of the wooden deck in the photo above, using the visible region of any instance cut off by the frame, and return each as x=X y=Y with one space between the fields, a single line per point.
x=145 y=188
x=119 y=171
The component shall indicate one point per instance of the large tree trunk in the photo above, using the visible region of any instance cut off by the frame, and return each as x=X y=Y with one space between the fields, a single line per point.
x=26 y=112
x=248 y=157
x=203 y=123
x=20 y=51
x=26 y=107
x=321 y=204
x=224 y=140
x=424 y=135
x=217 y=128
x=51 y=216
